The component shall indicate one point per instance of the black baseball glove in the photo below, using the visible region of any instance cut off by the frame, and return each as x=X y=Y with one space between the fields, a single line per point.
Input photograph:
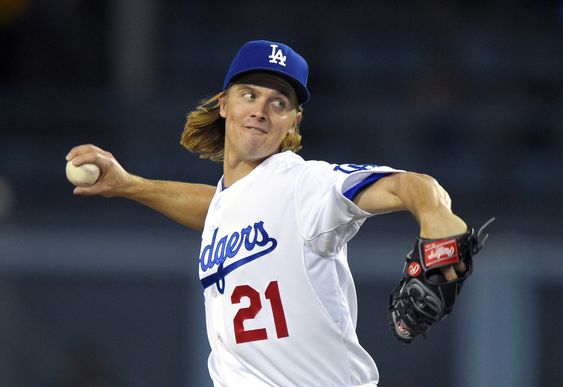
x=424 y=297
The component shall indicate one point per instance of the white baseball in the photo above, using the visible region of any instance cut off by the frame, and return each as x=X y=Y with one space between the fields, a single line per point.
x=84 y=175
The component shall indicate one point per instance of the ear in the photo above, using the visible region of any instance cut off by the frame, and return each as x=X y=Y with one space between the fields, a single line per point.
x=296 y=122
x=222 y=104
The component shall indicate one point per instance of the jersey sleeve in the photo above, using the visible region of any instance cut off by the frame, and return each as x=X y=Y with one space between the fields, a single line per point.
x=326 y=214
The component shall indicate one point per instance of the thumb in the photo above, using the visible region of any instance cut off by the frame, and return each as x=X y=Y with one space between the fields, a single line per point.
x=86 y=191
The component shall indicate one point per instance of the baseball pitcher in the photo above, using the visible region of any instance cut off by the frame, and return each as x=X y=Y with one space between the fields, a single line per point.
x=280 y=300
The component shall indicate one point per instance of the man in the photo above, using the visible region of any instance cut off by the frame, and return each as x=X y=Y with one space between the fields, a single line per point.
x=279 y=296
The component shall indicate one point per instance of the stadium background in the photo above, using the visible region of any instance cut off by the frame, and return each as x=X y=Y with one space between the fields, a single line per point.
x=104 y=292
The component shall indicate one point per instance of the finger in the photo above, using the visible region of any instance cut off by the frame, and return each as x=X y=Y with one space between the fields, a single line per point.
x=84 y=148
x=460 y=267
x=449 y=273
x=90 y=157
x=77 y=150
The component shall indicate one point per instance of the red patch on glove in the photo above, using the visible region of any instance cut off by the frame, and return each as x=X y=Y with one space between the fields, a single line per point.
x=414 y=269
x=440 y=253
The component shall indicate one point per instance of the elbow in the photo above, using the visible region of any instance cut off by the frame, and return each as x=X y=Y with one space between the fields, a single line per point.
x=424 y=193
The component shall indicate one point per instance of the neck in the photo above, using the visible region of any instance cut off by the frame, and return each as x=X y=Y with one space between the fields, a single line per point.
x=234 y=170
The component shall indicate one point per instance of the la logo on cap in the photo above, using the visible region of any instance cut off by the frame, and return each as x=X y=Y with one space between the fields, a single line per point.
x=274 y=57
x=277 y=56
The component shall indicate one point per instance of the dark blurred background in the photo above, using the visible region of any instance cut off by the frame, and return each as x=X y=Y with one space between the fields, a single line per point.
x=103 y=292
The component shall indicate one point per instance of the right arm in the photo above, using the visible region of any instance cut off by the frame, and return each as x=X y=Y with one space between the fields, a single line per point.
x=185 y=203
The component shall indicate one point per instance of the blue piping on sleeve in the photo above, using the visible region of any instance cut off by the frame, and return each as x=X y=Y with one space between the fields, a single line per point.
x=353 y=191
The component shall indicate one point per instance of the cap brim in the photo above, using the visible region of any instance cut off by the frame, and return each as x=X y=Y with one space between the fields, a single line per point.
x=300 y=91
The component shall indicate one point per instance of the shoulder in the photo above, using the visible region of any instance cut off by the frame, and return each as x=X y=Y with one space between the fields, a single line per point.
x=348 y=171
x=284 y=160
x=326 y=173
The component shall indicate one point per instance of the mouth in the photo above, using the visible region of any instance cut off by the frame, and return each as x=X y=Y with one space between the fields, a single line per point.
x=257 y=129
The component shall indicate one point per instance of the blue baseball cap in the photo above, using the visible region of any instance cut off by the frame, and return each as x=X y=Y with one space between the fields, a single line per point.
x=274 y=57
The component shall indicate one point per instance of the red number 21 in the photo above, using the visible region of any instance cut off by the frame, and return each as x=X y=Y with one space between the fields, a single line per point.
x=272 y=294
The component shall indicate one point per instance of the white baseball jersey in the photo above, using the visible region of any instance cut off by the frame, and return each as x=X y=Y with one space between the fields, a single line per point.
x=280 y=301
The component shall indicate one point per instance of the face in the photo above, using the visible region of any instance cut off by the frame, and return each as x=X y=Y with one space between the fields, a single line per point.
x=259 y=110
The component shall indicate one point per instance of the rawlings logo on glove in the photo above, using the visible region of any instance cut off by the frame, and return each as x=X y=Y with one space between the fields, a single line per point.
x=424 y=297
x=440 y=253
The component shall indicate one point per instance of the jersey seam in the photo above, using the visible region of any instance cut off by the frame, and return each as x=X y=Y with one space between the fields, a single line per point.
x=331 y=256
x=352 y=208
x=312 y=289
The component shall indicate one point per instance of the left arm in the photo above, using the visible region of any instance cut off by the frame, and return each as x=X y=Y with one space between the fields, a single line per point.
x=419 y=194
x=422 y=196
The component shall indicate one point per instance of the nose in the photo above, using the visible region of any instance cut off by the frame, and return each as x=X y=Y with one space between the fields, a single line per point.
x=259 y=116
x=259 y=112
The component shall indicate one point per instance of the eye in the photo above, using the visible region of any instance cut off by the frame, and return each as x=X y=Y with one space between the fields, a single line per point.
x=248 y=95
x=279 y=104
